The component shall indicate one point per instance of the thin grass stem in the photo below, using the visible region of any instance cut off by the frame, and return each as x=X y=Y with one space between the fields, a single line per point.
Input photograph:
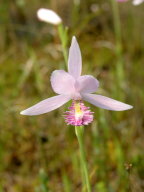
x=118 y=50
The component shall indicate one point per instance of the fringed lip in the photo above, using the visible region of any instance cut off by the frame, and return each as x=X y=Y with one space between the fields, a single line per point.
x=78 y=114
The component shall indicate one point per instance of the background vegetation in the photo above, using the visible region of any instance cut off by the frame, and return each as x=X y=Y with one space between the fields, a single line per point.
x=40 y=154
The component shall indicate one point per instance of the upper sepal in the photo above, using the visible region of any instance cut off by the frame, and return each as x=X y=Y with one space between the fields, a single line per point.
x=75 y=59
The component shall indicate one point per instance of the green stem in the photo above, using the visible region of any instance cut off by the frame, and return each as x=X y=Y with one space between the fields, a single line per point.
x=79 y=130
x=64 y=39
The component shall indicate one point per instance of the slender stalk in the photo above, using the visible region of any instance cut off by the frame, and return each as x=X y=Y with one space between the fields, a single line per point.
x=64 y=39
x=79 y=130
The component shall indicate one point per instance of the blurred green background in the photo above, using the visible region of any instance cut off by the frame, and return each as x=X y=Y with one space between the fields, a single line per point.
x=40 y=153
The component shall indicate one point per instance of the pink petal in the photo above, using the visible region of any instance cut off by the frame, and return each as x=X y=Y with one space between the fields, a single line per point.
x=105 y=102
x=87 y=84
x=62 y=82
x=74 y=60
x=46 y=105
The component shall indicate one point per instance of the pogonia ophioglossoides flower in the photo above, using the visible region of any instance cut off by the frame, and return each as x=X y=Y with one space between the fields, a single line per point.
x=71 y=85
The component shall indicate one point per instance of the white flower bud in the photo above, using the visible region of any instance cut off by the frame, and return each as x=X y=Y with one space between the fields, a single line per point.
x=137 y=2
x=49 y=16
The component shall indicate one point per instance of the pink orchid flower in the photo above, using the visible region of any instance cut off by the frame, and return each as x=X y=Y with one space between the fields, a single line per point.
x=71 y=85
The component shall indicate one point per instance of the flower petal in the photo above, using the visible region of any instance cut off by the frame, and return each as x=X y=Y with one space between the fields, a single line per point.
x=46 y=105
x=74 y=60
x=105 y=102
x=62 y=82
x=87 y=84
